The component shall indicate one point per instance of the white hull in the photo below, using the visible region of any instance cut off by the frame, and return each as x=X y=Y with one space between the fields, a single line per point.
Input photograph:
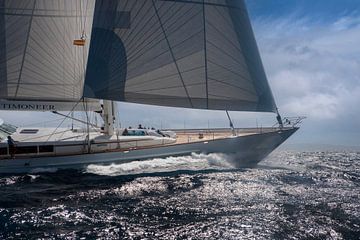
x=249 y=150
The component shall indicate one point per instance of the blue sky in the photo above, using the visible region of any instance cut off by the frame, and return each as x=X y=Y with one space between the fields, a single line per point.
x=310 y=50
x=326 y=10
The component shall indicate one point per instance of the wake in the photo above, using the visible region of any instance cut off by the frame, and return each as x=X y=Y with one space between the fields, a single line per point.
x=192 y=162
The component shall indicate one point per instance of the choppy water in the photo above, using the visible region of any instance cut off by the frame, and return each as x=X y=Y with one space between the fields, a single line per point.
x=313 y=195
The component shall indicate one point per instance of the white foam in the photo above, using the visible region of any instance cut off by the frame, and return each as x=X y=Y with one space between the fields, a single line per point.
x=33 y=177
x=192 y=162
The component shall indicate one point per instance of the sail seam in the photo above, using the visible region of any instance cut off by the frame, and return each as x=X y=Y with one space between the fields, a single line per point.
x=26 y=45
x=205 y=58
x=139 y=53
x=172 y=54
x=203 y=2
x=233 y=85
x=3 y=55
x=158 y=79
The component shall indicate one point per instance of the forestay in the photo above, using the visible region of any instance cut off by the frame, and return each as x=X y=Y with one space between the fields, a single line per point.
x=182 y=53
x=40 y=67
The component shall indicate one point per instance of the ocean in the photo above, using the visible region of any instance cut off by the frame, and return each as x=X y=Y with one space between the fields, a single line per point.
x=289 y=195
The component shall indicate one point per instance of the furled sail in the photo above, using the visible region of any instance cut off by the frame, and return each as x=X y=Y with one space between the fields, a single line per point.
x=181 y=53
x=40 y=67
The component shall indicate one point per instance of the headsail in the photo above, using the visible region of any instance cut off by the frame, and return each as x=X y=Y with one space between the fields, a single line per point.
x=182 y=53
x=38 y=61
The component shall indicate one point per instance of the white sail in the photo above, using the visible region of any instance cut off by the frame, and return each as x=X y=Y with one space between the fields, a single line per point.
x=38 y=60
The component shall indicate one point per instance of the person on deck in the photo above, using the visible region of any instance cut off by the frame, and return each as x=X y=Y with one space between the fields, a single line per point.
x=125 y=132
x=11 y=144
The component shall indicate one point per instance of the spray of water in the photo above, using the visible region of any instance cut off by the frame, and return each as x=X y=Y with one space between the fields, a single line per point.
x=192 y=162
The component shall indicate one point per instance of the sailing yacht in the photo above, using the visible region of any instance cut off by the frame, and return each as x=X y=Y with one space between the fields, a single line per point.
x=85 y=55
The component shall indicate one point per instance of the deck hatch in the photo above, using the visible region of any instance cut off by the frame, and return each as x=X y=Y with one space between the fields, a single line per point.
x=29 y=131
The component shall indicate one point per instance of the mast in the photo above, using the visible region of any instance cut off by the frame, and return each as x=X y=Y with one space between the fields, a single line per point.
x=108 y=117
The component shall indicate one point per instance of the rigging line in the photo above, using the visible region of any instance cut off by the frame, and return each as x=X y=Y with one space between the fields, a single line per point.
x=37 y=123
x=87 y=125
x=25 y=49
x=231 y=123
x=75 y=119
x=205 y=57
x=39 y=137
x=63 y=120
x=172 y=54
x=81 y=18
x=85 y=13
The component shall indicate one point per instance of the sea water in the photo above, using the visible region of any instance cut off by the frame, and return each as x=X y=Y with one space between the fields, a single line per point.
x=290 y=195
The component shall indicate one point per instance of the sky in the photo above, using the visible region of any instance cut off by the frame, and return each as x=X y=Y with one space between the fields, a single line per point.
x=311 y=55
x=310 y=51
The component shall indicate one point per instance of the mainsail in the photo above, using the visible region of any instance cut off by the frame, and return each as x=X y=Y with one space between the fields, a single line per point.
x=40 y=68
x=181 y=53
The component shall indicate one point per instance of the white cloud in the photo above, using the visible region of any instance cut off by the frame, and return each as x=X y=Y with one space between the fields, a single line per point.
x=347 y=22
x=314 y=69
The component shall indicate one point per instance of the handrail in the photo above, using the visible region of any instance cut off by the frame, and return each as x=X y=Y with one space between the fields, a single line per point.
x=291 y=121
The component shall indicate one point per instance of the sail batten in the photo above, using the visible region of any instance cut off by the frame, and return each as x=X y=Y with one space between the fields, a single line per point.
x=181 y=53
